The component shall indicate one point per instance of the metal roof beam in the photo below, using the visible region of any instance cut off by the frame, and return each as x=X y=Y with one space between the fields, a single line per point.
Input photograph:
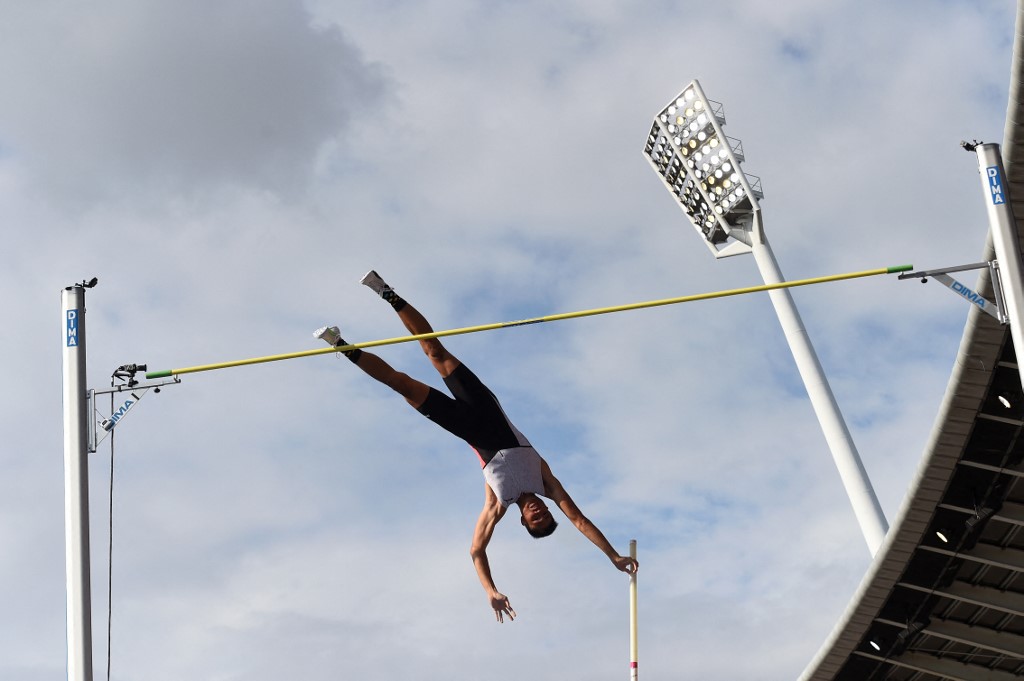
x=1001 y=419
x=1004 y=601
x=943 y=667
x=1016 y=472
x=1002 y=642
x=1010 y=512
x=1008 y=559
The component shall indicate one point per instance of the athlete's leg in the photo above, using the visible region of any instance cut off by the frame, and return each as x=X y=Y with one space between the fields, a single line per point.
x=444 y=362
x=414 y=392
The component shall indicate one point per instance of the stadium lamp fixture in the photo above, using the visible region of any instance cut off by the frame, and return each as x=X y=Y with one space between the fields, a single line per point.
x=982 y=514
x=979 y=519
x=1009 y=396
x=700 y=167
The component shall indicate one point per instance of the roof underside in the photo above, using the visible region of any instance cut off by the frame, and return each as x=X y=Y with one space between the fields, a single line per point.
x=954 y=610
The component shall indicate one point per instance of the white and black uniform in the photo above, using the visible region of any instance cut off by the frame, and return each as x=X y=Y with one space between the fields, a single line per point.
x=511 y=466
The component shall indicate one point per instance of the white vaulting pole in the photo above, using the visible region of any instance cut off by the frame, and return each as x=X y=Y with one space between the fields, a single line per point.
x=76 y=486
x=633 y=671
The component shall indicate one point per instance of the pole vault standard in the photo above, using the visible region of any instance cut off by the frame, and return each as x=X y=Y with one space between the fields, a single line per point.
x=1003 y=227
x=535 y=320
x=76 y=484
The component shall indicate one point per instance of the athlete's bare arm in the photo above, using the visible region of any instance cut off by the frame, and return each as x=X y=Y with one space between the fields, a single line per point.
x=490 y=515
x=553 y=490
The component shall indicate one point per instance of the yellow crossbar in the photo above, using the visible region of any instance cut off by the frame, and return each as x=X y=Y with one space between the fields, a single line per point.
x=535 y=320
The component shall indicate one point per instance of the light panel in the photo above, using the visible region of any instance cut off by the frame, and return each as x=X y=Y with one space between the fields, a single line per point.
x=700 y=166
x=675 y=166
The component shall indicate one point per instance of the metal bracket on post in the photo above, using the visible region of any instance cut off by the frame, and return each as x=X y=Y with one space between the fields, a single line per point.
x=997 y=310
x=100 y=426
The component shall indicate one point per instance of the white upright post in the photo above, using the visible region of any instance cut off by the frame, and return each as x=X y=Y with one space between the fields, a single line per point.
x=1004 y=237
x=76 y=486
x=855 y=478
x=633 y=670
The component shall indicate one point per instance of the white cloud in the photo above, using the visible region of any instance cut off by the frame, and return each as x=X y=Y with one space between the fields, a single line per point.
x=122 y=98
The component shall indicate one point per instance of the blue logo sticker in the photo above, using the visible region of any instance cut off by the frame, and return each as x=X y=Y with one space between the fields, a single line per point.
x=72 y=328
x=968 y=294
x=995 y=186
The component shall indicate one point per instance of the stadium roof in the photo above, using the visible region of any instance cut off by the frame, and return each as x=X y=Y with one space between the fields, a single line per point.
x=929 y=609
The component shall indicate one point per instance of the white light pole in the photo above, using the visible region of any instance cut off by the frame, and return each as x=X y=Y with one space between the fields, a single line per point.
x=76 y=484
x=700 y=166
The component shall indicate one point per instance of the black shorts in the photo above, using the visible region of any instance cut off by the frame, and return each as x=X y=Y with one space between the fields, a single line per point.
x=475 y=415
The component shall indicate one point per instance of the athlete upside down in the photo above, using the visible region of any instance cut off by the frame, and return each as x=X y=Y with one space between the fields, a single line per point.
x=513 y=470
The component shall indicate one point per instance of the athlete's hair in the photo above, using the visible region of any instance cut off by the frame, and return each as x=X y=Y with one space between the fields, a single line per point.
x=541 y=532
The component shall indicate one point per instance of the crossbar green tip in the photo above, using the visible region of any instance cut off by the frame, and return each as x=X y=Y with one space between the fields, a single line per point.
x=549 y=318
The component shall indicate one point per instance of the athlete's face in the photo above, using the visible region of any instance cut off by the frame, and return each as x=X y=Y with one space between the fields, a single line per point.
x=536 y=514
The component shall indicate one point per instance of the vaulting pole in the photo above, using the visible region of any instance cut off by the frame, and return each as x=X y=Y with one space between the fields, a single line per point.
x=633 y=656
x=76 y=486
x=536 y=320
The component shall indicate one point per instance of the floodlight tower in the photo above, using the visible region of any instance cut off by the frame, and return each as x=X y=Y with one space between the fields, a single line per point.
x=700 y=166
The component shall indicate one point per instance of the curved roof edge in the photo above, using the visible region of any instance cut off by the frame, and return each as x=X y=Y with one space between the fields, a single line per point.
x=979 y=350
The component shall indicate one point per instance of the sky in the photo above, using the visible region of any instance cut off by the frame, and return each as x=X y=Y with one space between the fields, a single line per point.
x=229 y=170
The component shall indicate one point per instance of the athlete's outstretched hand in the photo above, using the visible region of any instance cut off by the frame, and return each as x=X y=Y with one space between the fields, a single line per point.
x=626 y=564
x=502 y=607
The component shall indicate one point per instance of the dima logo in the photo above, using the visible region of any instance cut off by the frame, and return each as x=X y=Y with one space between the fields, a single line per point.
x=72 y=329
x=116 y=416
x=995 y=186
x=969 y=294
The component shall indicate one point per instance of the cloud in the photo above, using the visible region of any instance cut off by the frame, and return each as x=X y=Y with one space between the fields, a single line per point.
x=186 y=98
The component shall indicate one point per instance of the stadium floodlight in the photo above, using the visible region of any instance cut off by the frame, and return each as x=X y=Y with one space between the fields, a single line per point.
x=700 y=167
